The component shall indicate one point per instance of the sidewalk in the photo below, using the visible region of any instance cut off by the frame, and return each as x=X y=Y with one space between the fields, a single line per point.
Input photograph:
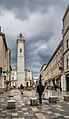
x=23 y=110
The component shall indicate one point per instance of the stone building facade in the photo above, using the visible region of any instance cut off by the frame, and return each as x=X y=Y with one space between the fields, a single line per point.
x=54 y=68
x=43 y=72
x=5 y=61
x=57 y=69
x=66 y=49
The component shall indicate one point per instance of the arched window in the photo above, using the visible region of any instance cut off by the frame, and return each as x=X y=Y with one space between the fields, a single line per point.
x=20 y=50
x=67 y=43
x=67 y=63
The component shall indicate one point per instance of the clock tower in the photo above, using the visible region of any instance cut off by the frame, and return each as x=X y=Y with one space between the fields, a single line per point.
x=20 y=61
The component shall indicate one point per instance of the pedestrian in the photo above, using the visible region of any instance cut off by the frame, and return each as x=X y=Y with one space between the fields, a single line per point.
x=56 y=87
x=21 y=87
x=60 y=88
x=40 y=89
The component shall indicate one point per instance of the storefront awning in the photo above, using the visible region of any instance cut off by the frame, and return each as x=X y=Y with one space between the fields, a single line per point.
x=66 y=73
x=58 y=76
x=51 y=79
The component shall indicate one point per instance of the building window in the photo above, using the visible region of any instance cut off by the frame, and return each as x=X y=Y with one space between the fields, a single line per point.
x=20 y=50
x=12 y=78
x=12 y=82
x=67 y=43
x=67 y=63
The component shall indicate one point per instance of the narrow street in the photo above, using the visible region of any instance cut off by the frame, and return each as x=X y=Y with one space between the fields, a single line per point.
x=23 y=110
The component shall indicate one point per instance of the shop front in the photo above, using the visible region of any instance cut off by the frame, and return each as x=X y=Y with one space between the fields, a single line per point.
x=67 y=80
x=58 y=81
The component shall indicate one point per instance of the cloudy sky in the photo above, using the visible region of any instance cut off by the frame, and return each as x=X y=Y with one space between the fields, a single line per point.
x=40 y=22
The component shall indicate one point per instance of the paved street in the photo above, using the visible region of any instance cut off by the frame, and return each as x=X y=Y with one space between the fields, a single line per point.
x=23 y=110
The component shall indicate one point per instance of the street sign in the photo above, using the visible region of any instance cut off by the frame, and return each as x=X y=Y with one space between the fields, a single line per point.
x=7 y=72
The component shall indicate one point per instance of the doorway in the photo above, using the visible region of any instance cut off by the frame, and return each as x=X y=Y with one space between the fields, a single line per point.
x=27 y=84
x=67 y=83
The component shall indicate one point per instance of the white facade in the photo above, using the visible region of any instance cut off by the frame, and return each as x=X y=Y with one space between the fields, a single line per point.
x=20 y=61
x=35 y=81
x=28 y=78
x=14 y=78
x=63 y=82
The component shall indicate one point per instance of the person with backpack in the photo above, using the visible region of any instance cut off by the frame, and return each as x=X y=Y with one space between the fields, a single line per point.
x=40 y=89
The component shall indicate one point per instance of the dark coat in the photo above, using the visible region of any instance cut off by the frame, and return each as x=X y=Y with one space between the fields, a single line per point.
x=21 y=87
x=40 y=89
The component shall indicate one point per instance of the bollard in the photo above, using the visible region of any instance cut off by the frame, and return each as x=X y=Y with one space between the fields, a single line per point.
x=53 y=99
x=33 y=101
x=10 y=104
x=66 y=97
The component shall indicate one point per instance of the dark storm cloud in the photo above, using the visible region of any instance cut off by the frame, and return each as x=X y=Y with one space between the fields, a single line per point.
x=36 y=55
x=44 y=55
x=9 y=4
x=22 y=8
x=31 y=4
x=40 y=21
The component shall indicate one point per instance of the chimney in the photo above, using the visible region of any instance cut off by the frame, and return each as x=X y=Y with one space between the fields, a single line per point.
x=0 y=28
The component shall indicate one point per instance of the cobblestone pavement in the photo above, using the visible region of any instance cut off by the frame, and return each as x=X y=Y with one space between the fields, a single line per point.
x=23 y=110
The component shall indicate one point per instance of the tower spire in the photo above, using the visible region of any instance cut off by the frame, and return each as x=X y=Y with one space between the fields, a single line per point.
x=20 y=34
